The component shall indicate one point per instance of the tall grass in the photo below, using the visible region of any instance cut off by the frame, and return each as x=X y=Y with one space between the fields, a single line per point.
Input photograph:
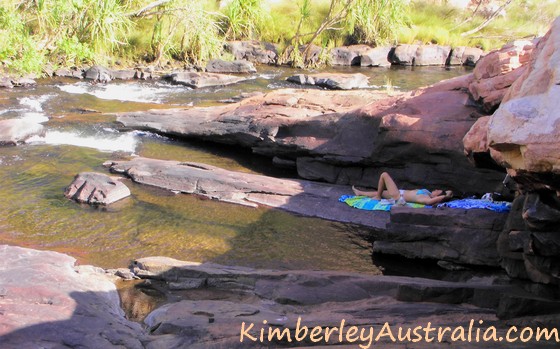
x=376 y=22
x=245 y=19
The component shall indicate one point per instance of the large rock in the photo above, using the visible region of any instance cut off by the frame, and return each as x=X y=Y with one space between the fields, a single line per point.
x=525 y=130
x=344 y=137
x=14 y=131
x=200 y=80
x=48 y=302
x=225 y=300
x=96 y=189
x=376 y=57
x=463 y=55
x=235 y=67
x=348 y=55
x=254 y=51
x=497 y=71
x=331 y=81
x=420 y=55
x=98 y=73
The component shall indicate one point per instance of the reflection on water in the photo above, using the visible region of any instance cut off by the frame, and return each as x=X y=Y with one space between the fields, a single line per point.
x=80 y=136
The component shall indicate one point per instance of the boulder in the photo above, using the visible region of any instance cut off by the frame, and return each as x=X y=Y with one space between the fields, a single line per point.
x=69 y=73
x=96 y=189
x=235 y=67
x=420 y=55
x=254 y=51
x=23 y=82
x=525 y=130
x=201 y=80
x=331 y=81
x=497 y=71
x=48 y=302
x=345 y=136
x=124 y=74
x=14 y=131
x=98 y=73
x=376 y=57
x=6 y=82
x=463 y=55
x=348 y=55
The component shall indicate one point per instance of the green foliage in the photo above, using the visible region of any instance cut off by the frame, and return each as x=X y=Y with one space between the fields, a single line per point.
x=245 y=19
x=73 y=52
x=376 y=22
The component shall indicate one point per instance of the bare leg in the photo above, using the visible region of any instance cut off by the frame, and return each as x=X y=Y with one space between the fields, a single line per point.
x=358 y=192
x=387 y=187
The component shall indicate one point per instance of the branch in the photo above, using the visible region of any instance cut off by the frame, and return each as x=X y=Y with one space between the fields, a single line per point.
x=486 y=22
x=147 y=8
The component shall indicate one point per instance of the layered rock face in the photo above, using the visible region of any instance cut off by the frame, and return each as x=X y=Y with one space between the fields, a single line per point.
x=523 y=136
x=344 y=137
x=497 y=71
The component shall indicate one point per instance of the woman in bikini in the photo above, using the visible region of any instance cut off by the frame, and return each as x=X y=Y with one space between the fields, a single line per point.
x=387 y=189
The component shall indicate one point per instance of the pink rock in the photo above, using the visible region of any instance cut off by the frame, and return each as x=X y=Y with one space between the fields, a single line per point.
x=525 y=130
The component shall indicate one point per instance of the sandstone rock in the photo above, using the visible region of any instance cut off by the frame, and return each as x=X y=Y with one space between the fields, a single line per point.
x=14 y=131
x=348 y=55
x=96 y=189
x=476 y=140
x=98 y=73
x=332 y=81
x=346 y=136
x=420 y=55
x=124 y=74
x=463 y=55
x=497 y=71
x=69 y=73
x=6 y=82
x=201 y=80
x=46 y=302
x=235 y=67
x=376 y=57
x=525 y=130
x=254 y=51
x=24 y=82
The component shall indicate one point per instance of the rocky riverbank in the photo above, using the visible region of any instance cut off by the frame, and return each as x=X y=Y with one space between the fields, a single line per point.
x=46 y=301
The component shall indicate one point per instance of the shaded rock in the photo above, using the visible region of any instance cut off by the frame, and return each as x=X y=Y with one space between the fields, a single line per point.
x=98 y=73
x=23 y=82
x=348 y=55
x=48 y=302
x=14 y=131
x=497 y=71
x=235 y=67
x=312 y=57
x=287 y=300
x=254 y=51
x=201 y=80
x=332 y=81
x=376 y=57
x=96 y=189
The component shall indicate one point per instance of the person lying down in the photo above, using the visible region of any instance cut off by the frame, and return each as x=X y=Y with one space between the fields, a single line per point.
x=387 y=189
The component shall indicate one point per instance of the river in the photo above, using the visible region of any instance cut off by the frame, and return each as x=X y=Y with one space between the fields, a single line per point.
x=82 y=134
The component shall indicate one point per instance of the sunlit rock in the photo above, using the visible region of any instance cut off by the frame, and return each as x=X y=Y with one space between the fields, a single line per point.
x=96 y=189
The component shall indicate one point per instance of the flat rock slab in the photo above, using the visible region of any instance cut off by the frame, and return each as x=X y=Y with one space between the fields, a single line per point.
x=331 y=81
x=96 y=189
x=200 y=80
x=230 y=296
x=14 y=131
x=298 y=196
x=47 y=302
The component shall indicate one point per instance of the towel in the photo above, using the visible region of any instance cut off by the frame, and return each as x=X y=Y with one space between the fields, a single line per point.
x=498 y=206
x=370 y=204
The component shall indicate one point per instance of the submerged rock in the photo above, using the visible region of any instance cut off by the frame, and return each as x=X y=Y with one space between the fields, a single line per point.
x=96 y=189
x=331 y=81
x=14 y=131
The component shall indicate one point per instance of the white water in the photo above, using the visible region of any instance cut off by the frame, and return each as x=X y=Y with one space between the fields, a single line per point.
x=131 y=92
x=126 y=142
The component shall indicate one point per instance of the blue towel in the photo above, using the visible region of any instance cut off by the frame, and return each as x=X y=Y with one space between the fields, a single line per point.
x=370 y=204
x=498 y=206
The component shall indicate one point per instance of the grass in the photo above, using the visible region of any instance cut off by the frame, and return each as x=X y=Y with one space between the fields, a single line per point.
x=67 y=33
